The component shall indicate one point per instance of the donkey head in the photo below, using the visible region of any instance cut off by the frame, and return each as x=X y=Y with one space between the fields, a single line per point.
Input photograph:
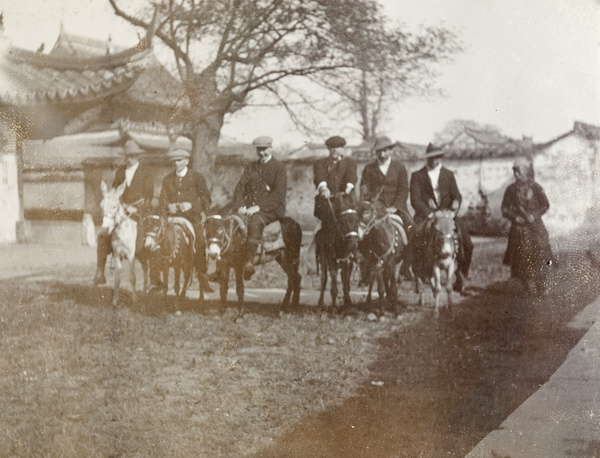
x=112 y=211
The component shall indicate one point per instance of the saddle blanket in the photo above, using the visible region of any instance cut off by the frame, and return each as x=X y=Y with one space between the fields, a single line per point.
x=272 y=237
x=187 y=225
x=399 y=225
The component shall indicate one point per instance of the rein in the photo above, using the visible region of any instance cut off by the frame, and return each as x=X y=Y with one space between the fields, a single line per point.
x=235 y=223
x=348 y=211
x=374 y=222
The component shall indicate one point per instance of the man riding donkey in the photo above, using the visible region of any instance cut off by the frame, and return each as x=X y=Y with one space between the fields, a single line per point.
x=332 y=175
x=136 y=199
x=259 y=197
x=185 y=194
x=385 y=180
x=434 y=188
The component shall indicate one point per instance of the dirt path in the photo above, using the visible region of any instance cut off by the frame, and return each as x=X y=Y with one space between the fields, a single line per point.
x=439 y=387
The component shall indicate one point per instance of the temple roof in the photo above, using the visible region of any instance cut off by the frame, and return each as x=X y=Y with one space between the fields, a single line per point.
x=32 y=79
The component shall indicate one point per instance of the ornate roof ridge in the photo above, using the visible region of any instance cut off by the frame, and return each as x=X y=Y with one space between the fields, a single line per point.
x=123 y=58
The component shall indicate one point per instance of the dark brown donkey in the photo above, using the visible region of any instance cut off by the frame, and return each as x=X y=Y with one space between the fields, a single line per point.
x=226 y=243
x=336 y=246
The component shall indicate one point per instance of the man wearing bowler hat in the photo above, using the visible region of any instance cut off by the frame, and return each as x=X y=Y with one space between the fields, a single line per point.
x=136 y=199
x=434 y=188
x=260 y=196
x=185 y=194
x=332 y=175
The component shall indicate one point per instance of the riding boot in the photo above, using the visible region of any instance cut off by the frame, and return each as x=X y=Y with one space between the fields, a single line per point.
x=459 y=283
x=202 y=269
x=251 y=247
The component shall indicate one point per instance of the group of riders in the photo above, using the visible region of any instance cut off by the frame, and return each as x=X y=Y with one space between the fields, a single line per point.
x=260 y=197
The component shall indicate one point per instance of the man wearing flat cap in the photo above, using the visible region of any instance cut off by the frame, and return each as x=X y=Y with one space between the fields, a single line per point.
x=136 y=199
x=332 y=175
x=184 y=193
x=260 y=196
x=434 y=188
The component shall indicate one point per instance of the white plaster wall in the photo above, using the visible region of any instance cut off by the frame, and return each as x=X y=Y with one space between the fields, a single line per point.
x=566 y=172
x=9 y=198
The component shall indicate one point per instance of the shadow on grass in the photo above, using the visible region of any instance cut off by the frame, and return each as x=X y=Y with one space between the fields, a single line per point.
x=440 y=386
x=156 y=303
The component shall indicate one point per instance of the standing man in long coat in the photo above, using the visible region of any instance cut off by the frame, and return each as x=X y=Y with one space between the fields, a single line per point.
x=184 y=193
x=137 y=200
x=260 y=196
x=434 y=188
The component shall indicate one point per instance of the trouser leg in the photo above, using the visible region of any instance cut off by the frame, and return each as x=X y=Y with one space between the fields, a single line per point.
x=256 y=224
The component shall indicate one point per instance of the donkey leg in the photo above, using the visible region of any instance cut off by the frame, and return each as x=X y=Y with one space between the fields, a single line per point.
x=146 y=271
x=346 y=274
x=239 y=288
x=333 y=288
x=116 y=265
x=437 y=288
x=321 y=302
x=133 y=281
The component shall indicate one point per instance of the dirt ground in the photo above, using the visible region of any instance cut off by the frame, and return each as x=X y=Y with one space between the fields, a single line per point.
x=163 y=379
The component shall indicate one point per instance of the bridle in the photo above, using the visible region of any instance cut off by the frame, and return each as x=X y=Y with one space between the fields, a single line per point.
x=226 y=232
x=348 y=211
x=158 y=235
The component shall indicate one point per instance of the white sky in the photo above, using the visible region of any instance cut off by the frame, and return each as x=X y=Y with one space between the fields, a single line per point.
x=530 y=67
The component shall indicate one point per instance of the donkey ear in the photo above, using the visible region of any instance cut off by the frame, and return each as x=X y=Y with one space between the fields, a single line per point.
x=103 y=188
x=121 y=189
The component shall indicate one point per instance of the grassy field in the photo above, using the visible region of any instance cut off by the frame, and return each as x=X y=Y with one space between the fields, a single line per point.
x=80 y=378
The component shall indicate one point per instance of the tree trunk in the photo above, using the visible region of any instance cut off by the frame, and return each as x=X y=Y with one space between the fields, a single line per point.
x=205 y=139
x=207 y=114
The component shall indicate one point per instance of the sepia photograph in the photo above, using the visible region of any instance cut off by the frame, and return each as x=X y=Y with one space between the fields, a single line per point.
x=300 y=228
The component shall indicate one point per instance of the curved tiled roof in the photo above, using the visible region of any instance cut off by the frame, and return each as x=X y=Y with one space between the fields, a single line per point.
x=30 y=78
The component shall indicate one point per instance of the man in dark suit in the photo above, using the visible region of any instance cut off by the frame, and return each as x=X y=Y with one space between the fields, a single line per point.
x=184 y=193
x=333 y=174
x=136 y=199
x=386 y=180
x=260 y=196
x=434 y=188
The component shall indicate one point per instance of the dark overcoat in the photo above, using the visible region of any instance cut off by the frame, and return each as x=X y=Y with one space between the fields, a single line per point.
x=390 y=189
x=337 y=174
x=528 y=249
x=264 y=185
x=141 y=187
x=191 y=188
x=421 y=192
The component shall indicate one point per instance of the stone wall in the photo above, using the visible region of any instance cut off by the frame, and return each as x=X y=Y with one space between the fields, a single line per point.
x=567 y=169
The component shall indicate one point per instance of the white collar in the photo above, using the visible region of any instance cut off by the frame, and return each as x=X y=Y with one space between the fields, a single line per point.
x=266 y=159
x=435 y=169
x=182 y=173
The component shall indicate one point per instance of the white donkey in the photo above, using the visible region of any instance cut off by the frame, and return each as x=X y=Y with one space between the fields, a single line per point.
x=123 y=231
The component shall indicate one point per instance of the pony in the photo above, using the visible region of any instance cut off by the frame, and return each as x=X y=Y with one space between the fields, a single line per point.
x=123 y=231
x=381 y=243
x=171 y=244
x=337 y=247
x=436 y=249
x=226 y=243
